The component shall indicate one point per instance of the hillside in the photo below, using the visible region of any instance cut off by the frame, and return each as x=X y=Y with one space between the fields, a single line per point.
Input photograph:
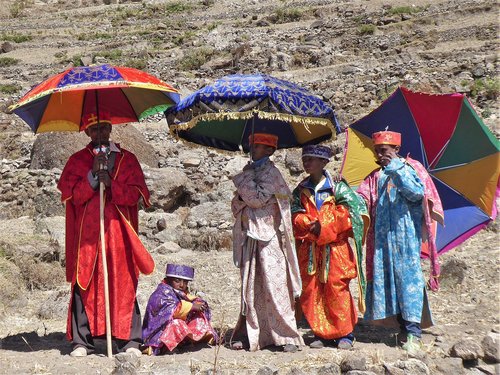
x=354 y=54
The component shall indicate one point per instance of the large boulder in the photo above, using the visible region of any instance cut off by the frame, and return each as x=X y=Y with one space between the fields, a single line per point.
x=52 y=150
x=169 y=188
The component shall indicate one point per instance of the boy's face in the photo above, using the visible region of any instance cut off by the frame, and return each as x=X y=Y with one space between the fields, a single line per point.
x=385 y=153
x=179 y=284
x=260 y=151
x=313 y=165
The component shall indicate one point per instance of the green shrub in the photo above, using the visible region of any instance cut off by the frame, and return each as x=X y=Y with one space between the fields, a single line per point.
x=7 y=61
x=15 y=37
x=213 y=26
x=485 y=87
x=9 y=89
x=195 y=58
x=17 y=7
x=137 y=63
x=185 y=37
x=76 y=60
x=93 y=36
x=367 y=29
x=177 y=7
x=285 y=15
x=111 y=55
x=405 y=10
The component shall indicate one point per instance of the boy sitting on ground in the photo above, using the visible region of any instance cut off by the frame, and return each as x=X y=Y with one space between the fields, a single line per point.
x=173 y=316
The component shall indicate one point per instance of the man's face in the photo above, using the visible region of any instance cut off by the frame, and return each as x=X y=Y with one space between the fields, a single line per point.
x=313 y=165
x=179 y=284
x=99 y=132
x=260 y=151
x=385 y=153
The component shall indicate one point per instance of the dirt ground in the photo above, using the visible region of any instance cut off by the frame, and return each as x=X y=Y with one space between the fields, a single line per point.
x=465 y=307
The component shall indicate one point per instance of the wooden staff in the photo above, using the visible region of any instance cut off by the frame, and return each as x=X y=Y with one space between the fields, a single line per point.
x=103 y=243
x=105 y=270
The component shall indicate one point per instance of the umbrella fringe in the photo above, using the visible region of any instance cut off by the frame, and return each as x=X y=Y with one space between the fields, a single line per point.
x=220 y=116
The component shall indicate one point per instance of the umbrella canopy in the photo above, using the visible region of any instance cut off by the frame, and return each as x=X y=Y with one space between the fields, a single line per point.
x=447 y=136
x=60 y=102
x=225 y=113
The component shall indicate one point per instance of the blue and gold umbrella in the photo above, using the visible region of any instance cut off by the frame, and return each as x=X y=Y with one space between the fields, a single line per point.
x=223 y=115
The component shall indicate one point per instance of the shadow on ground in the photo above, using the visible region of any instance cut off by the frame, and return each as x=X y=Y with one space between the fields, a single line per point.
x=31 y=341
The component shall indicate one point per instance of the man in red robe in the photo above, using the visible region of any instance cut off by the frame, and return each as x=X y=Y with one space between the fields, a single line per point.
x=103 y=161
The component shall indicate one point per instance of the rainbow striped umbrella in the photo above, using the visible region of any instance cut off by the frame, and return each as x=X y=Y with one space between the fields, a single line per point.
x=60 y=102
x=447 y=136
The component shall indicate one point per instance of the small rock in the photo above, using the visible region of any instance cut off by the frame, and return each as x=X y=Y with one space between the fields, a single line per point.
x=161 y=224
x=86 y=60
x=126 y=364
x=267 y=370
x=6 y=47
x=450 y=365
x=263 y=23
x=317 y=24
x=393 y=370
x=478 y=72
x=467 y=349
x=331 y=369
x=296 y=371
x=487 y=368
x=413 y=367
x=167 y=248
x=490 y=344
x=353 y=363
x=191 y=162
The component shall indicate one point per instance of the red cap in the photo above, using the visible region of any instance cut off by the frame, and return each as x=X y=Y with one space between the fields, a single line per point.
x=90 y=119
x=264 y=139
x=386 y=138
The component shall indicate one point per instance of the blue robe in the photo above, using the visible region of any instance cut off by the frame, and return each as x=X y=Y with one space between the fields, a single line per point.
x=398 y=284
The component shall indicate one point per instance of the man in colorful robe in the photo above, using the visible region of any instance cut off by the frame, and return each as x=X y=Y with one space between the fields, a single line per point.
x=174 y=316
x=103 y=161
x=263 y=250
x=403 y=202
x=325 y=214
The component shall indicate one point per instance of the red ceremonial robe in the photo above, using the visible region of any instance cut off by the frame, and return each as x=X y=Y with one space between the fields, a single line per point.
x=126 y=255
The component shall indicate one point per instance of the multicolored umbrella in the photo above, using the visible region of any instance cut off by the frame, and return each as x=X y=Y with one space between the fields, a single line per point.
x=225 y=113
x=447 y=136
x=60 y=102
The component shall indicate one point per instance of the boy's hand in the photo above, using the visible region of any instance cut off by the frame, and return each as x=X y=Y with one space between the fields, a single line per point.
x=247 y=167
x=315 y=228
x=336 y=177
x=198 y=307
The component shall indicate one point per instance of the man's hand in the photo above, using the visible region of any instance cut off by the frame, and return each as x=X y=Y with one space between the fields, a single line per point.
x=100 y=160
x=103 y=176
x=315 y=228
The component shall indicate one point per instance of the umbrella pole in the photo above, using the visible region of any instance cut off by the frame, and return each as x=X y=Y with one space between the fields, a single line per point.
x=103 y=247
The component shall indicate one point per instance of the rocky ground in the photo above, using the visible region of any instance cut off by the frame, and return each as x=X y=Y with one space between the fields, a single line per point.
x=353 y=53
